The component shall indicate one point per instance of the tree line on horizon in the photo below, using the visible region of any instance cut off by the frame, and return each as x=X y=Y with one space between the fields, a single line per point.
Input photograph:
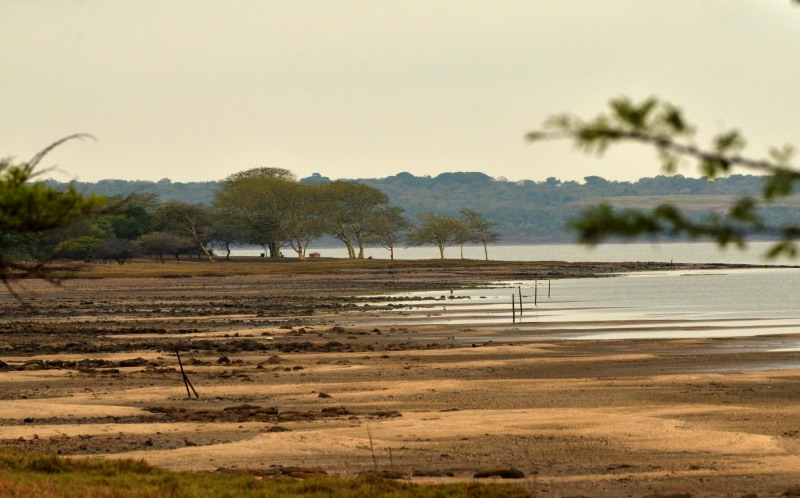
x=266 y=207
x=525 y=211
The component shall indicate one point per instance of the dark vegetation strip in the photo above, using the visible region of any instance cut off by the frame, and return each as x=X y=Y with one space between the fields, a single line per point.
x=478 y=270
x=45 y=476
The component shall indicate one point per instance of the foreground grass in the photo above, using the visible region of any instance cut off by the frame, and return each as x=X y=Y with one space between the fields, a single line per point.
x=27 y=475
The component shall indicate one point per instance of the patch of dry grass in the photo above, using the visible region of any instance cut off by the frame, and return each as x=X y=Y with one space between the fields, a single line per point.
x=48 y=476
x=144 y=268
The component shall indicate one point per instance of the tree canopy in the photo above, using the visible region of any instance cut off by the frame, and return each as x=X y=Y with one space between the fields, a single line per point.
x=251 y=201
x=435 y=229
x=350 y=213
x=524 y=210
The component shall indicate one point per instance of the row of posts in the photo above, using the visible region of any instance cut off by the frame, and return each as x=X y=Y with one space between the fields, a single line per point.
x=535 y=299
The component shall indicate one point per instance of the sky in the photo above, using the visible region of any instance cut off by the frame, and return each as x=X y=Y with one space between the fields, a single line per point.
x=198 y=90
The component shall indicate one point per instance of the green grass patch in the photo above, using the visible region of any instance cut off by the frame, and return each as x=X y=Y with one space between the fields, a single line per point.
x=45 y=476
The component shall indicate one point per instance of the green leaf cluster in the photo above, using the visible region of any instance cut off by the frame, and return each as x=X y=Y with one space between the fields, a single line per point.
x=29 y=207
x=663 y=126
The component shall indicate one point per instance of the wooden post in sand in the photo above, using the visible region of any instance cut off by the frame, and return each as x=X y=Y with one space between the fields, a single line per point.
x=519 y=288
x=548 y=288
x=536 y=293
x=513 y=309
x=186 y=381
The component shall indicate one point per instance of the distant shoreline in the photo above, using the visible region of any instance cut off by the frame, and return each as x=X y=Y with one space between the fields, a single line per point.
x=368 y=275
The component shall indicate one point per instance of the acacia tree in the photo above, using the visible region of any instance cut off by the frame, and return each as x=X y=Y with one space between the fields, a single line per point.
x=252 y=204
x=477 y=229
x=119 y=250
x=260 y=174
x=663 y=126
x=130 y=216
x=435 y=229
x=77 y=248
x=300 y=215
x=161 y=243
x=190 y=220
x=227 y=230
x=387 y=226
x=93 y=225
x=28 y=208
x=349 y=209
x=463 y=236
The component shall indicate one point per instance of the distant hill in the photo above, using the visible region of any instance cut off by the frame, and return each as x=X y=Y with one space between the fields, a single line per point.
x=167 y=190
x=525 y=211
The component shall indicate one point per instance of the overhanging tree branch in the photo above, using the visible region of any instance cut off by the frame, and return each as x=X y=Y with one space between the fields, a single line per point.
x=662 y=125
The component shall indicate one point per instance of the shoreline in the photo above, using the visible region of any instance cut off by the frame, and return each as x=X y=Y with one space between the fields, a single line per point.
x=327 y=269
x=290 y=373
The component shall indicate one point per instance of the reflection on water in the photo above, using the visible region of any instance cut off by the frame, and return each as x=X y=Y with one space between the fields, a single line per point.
x=666 y=305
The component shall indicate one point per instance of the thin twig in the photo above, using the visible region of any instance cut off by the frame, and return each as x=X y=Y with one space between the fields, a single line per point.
x=372 y=448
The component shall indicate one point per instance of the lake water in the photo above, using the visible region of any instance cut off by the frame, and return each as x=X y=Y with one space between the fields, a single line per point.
x=679 y=252
x=667 y=305
x=664 y=305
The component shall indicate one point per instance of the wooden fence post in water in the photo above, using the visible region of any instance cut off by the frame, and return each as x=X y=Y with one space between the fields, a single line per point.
x=513 y=309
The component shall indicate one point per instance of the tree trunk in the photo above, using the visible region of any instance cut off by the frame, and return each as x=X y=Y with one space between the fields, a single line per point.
x=441 y=252
x=462 y=251
x=228 y=248
x=391 y=253
x=191 y=227
x=299 y=249
x=348 y=244
x=161 y=258
x=486 y=251
x=202 y=248
x=360 y=247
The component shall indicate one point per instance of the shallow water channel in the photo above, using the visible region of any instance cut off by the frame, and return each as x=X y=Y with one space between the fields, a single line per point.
x=665 y=305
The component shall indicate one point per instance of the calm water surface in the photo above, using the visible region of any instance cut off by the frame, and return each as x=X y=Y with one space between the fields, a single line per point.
x=672 y=304
x=679 y=252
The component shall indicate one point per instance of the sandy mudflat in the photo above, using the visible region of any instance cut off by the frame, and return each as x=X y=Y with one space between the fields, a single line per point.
x=290 y=373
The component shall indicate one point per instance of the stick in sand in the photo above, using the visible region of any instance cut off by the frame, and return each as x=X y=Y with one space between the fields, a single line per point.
x=186 y=380
x=519 y=287
x=513 y=308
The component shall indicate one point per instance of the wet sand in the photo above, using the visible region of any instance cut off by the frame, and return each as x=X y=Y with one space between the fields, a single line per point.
x=291 y=371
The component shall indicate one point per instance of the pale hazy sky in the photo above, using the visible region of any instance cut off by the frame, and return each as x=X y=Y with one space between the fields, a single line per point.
x=197 y=90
